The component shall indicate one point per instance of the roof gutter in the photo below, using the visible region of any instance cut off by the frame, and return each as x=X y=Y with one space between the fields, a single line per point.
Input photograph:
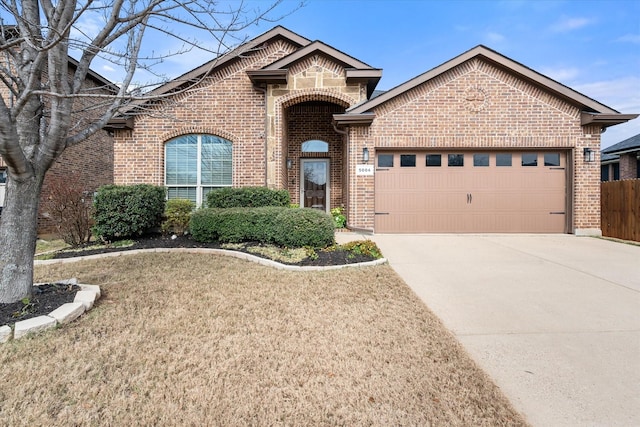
x=605 y=120
x=347 y=119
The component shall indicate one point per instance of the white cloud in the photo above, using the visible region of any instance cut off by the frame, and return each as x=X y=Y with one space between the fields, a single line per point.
x=619 y=133
x=620 y=94
x=561 y=74
x=570 y=24
x=629 y=38
x=108 y=68
x=493 y=37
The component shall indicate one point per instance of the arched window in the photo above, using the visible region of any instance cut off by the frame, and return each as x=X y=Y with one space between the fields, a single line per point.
x=195 y=165
x=315 y=146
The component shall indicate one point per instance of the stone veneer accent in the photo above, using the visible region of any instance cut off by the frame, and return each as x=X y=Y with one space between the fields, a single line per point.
x=475 y=104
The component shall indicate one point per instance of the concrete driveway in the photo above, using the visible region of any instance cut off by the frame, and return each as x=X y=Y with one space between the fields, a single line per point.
x=554 y=319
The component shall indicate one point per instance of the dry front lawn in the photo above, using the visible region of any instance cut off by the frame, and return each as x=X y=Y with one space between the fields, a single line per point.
x=197 y=340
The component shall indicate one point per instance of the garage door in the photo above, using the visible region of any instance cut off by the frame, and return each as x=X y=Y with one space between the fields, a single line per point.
x=463 y=192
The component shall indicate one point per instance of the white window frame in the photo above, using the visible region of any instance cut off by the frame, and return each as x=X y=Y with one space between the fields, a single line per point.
x=198 y=186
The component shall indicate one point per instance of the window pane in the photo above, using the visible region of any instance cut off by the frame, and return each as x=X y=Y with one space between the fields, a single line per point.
x=529 y=159
x=480 y=160
x=181 y=157
x=216 y=161
x=552 y=159
x=315 y=146
x=407 y=160
x=616 y=171
x=3 y=176
x=385 y=160
x=503 y=159
x=434 y=160
x=604 y=173
x=182 y=193
x=456 y=160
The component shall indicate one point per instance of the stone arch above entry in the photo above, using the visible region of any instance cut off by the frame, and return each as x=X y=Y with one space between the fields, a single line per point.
x=326 y=95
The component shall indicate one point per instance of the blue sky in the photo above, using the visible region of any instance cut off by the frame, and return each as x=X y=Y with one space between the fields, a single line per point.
x=592 y=46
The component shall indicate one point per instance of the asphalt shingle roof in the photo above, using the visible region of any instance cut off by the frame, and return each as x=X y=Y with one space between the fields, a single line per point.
x=629 y=144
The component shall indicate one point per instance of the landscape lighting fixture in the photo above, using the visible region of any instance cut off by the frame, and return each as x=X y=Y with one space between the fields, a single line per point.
x=589 y=155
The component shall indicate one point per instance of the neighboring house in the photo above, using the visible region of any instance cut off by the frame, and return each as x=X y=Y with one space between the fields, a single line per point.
x=621 y=160
x=89 y=162
x=480 y=143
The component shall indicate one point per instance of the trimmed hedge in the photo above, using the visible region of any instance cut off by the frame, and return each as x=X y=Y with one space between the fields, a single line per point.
x=127 y=210
x=275 y=225
x=247 y=197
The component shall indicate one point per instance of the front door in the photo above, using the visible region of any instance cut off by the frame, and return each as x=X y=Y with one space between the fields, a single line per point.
x=314 y=185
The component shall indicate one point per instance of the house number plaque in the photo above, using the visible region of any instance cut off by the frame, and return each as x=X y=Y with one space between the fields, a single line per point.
x=364 y=170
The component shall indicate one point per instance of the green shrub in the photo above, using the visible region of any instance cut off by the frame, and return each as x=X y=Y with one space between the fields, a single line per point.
x=294 y=228
x=339 y=218
x=177 y=214
x=234 y=225
x=363 y=247
x=127 y=210
x=247 y=197
x=304 y=227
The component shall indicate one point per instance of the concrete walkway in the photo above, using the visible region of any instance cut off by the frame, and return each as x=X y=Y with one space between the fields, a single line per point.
x=554 y=319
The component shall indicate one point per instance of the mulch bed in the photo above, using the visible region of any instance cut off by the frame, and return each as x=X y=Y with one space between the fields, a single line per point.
x=45 y=299
x=324 y=258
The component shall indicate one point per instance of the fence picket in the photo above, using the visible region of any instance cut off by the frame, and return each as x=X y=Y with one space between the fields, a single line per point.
x=620 y=204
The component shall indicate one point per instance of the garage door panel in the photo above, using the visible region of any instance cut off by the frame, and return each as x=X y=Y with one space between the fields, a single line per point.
x=471 y=198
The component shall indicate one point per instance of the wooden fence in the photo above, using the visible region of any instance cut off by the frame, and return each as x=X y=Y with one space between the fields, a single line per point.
x=620 y=202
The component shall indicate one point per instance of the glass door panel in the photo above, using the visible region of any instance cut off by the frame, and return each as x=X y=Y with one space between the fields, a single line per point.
x=314 y=186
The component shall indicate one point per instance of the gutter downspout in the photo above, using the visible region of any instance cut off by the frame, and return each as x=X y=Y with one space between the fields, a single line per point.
x=346 y=135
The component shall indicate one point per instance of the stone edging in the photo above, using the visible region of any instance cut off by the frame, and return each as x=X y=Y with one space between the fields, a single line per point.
x=225 y=252
x=88 y=294
x=83 y=302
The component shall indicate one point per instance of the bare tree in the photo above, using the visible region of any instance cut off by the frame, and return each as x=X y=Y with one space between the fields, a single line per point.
x=43 y=87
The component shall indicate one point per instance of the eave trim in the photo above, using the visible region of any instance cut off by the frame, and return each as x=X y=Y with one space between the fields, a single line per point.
x=353 y=119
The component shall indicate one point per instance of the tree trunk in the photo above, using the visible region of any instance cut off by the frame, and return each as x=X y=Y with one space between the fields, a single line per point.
x=18 y=233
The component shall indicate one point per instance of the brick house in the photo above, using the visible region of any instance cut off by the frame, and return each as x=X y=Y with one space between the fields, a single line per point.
x=621 y=160
x=89 y=162
x=480 y=143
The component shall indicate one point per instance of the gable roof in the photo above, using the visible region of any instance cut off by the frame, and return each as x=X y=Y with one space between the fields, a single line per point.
x=629 y=145
x=356 y=70
x=274 y=33
x=100 y=80
x=593 y=111
x=278 y=32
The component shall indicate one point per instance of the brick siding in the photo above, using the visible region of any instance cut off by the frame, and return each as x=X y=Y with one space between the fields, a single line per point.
x=513 y=114
x=474 y=105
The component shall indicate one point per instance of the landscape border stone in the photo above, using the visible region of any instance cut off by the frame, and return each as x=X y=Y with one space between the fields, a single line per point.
x=64 y=314
x=224 y=252
x=88 y=294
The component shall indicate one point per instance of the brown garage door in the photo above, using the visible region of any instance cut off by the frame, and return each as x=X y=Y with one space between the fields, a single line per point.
x=466 y=192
